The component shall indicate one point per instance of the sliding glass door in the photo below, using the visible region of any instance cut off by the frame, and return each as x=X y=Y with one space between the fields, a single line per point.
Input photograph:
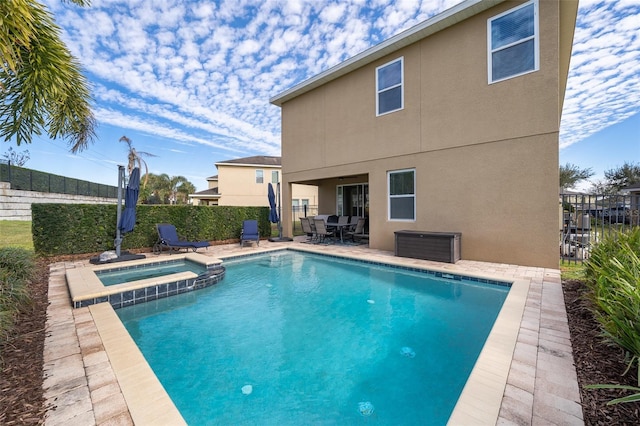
x=353 y=200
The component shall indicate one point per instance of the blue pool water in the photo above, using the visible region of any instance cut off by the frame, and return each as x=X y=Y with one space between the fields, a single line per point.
x=292 y=338
x=125 y=275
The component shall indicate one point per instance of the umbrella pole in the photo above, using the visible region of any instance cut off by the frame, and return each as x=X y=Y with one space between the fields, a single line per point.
x=279 y=213
x=118 y=240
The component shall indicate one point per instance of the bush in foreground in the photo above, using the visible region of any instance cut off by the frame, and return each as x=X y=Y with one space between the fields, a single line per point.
x=17 y=269
x=613 y=278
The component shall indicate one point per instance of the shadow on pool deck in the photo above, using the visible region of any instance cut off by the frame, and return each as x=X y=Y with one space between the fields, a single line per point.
x=81 y=386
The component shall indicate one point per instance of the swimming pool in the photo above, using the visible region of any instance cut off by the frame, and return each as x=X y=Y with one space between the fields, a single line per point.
x=295 y=339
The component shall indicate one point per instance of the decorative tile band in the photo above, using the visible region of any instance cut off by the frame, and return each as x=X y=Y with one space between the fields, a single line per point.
x=437 y=274
x=214 y=274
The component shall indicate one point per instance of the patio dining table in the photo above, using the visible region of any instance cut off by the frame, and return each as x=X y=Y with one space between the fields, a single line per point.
x=340 y=227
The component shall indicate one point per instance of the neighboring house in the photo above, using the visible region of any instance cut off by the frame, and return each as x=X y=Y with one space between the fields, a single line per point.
x=634 y=192
x=452 y=125
x=208 y=197
x=243 y=182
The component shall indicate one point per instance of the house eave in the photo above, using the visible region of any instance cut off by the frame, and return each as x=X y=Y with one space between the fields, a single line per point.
x=271 y=166
x=431 y=26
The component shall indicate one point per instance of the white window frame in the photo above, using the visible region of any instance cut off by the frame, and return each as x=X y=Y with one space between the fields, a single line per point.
x=275 y=176
x=401 y=85
x=535 y=37
x=390 y=197
x=259 y=176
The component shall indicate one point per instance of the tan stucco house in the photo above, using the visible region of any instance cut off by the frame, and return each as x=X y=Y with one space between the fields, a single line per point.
x=244 y=181
x=451 y=126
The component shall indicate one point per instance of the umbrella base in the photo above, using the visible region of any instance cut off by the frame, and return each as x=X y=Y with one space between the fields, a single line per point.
x=124 y=256
x=280 y=239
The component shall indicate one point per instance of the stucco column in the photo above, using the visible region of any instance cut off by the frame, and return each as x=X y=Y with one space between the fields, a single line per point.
x=285 y=208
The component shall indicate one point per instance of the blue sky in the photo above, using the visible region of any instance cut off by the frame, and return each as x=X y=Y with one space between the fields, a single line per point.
x=190 y=81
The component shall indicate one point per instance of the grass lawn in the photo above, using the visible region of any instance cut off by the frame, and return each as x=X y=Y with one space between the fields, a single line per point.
x=16 y=233
x=571 y=270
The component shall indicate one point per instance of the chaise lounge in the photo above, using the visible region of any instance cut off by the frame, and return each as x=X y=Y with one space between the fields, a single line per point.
x=168 y=238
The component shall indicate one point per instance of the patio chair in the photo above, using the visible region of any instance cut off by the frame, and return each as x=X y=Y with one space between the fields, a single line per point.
x=308 y=228
x=168 y=238
x=359 y=231
x=249 y=232
x=321 y=230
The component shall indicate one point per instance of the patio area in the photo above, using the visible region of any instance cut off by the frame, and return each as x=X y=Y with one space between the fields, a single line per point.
x=93 y=375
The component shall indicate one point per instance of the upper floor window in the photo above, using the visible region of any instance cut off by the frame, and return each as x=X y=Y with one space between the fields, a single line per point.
x=402 y=194
x=275 y=176
x=389 y=90
x=513 y=43
x=259 y=176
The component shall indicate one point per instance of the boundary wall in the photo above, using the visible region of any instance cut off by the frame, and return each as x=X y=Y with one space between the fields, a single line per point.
x=16 y=204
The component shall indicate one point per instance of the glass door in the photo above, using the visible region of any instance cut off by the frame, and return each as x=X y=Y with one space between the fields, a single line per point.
x=353 y=200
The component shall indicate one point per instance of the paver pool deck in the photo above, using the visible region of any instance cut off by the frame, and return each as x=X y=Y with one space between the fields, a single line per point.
x=94 y=375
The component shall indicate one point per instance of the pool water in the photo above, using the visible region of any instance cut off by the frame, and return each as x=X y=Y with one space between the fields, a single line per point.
x=125 y=275
x=292 y=338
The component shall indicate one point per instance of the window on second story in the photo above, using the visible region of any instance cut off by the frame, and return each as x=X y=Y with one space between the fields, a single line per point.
x=275 y=176
x=402 y=194
x=513 y=42
x=389 y=87
x=259 y=176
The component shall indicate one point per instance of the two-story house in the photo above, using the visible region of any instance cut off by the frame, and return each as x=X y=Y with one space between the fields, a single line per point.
x=243 y=182
x=452 y=125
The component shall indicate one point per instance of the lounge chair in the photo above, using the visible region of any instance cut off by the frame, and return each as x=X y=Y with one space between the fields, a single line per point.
x=321 y=230
x=249 y=232
x=168 y=238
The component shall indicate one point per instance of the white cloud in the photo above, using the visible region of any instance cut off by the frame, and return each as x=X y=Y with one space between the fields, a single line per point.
x=202 y=72
x=604 y=80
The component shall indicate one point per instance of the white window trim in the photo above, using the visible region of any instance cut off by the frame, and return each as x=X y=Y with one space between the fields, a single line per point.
x=389 y=196
x=535 y=37
x=401 y=85
x=262 y=177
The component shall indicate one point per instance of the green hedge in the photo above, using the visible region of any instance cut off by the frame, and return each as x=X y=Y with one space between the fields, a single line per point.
x=91 y=228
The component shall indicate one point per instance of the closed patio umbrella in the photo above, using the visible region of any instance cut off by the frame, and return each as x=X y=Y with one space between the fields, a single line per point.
x=273 y=213
x=128 y=219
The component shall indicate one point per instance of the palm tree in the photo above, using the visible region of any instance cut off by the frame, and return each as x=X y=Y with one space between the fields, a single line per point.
x=41 y=85
x=135 y=157
x=184 y=190
x=165 y=189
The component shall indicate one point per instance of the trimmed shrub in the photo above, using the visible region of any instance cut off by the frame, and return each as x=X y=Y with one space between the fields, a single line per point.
x=91 y=228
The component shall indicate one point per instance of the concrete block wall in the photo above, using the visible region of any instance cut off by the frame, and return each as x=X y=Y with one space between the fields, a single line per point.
x=16 y=204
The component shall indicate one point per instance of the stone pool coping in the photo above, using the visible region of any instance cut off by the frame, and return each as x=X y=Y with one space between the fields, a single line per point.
x=525 y=373
x=85 y=286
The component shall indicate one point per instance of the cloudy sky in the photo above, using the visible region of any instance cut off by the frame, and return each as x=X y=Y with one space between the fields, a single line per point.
x=190 y=81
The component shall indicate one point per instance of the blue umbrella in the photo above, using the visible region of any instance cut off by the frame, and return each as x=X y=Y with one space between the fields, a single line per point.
x=273 y=213
x=128 y=219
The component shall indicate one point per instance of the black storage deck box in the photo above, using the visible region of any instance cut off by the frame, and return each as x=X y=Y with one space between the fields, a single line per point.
x=436 y=246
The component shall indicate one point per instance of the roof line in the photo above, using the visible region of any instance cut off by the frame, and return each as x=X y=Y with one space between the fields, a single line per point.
x=432 y=25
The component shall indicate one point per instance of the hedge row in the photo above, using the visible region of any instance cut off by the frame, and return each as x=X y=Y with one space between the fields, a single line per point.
x=91 y=228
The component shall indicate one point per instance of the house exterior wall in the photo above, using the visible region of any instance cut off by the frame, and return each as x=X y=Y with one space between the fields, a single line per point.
x=486 y=155
x=237 y=186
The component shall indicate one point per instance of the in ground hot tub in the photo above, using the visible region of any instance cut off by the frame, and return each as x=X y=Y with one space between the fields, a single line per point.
x=142 y=280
